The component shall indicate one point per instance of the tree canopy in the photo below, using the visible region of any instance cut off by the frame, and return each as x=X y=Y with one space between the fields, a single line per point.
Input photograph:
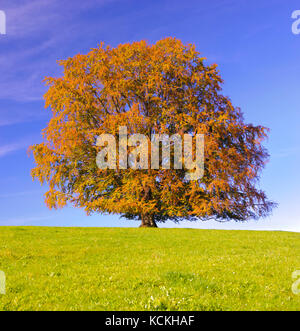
x=164 y=88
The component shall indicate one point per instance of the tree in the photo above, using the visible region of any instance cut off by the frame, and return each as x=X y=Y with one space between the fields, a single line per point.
x=164 y=88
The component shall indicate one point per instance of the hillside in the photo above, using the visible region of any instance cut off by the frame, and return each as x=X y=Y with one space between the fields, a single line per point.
x=147 y=269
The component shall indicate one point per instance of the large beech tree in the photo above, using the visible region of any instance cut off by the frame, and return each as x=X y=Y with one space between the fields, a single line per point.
x=164 y=88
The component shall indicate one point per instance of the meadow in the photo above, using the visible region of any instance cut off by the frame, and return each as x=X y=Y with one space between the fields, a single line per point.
x=147 y=269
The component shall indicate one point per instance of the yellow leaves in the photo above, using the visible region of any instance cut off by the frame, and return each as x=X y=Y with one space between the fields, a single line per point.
x=161 y=88
x=55 y=199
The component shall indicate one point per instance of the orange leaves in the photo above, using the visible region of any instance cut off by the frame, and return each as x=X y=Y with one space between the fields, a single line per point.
x=164 y=88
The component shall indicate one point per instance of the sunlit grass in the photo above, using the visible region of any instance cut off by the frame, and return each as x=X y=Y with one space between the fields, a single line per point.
x=147 y=269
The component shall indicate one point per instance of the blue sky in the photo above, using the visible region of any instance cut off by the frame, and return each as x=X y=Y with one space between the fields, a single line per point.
x=251 y=41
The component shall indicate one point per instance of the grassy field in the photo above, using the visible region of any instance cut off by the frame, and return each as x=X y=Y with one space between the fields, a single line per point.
x=147 y=269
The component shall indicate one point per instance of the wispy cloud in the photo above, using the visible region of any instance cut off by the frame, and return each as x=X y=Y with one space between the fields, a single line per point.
x=17 y=117
x=39 y=32
x=23 y=144
x=19 y=194
x=36 y=16
x=7 y=149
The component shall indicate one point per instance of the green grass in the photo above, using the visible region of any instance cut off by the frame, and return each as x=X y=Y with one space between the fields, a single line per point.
x=147 y=269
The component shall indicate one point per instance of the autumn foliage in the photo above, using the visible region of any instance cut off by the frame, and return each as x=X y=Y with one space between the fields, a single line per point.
x=163 y=88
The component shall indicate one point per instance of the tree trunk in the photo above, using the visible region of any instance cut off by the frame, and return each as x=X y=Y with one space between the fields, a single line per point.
x=148 y=222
